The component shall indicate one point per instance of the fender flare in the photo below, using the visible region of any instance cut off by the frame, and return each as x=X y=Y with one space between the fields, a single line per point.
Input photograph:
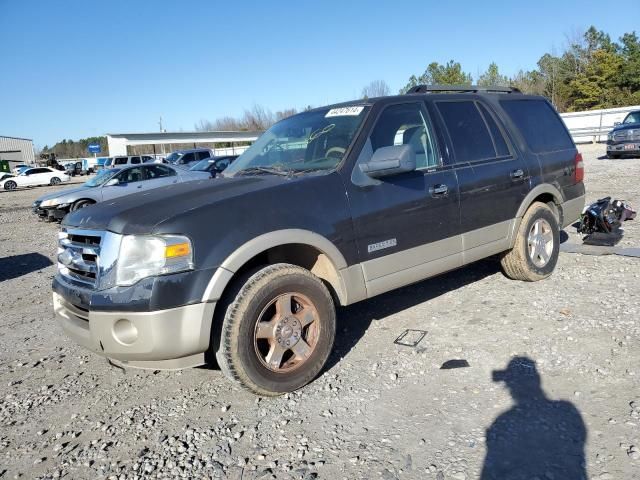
x=262 y=243
x=526 y=203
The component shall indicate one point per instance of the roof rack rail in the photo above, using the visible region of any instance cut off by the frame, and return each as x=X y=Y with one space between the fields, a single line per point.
x=461 y=88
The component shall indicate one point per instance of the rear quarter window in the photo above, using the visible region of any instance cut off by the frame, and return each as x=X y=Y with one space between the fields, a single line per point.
x=540 y=125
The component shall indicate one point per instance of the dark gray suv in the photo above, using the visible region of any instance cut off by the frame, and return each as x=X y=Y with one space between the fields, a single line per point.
x=329 y=207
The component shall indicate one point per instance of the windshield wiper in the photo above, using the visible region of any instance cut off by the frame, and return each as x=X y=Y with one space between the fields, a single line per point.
x=257 y=170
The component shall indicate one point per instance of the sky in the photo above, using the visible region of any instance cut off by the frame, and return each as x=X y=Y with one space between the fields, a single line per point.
x=78 y=68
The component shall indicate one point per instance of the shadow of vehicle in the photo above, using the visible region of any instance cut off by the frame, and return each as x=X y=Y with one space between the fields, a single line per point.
x=354 y=320
x=18 y=265
x=537 y=437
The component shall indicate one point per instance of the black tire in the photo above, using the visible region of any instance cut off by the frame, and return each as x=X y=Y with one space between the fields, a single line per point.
x=10 y=185
x=81 y=204
x=532 y=257
x=240 y=354
x=54 y=181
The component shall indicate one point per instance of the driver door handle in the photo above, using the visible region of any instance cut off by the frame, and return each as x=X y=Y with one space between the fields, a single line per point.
x=517 y=174
x=439 y=190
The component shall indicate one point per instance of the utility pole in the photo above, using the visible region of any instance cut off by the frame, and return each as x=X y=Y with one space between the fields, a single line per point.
x=162 y=144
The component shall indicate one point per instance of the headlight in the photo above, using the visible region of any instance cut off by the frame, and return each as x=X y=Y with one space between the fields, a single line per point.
x=48 y=203
x=146 y=256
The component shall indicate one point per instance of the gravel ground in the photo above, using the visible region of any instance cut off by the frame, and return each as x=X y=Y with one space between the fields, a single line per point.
x=380 y=410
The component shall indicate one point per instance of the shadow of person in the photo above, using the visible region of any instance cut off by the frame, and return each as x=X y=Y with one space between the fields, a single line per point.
x=538 y=437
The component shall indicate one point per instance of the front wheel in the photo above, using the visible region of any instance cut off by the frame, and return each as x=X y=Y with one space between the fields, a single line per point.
x=81 y=204
x=535 y=253
x=278 y=331
x=10 y=185
x=54 y=181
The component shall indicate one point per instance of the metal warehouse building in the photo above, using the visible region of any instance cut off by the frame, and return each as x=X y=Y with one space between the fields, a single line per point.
x=16 y=150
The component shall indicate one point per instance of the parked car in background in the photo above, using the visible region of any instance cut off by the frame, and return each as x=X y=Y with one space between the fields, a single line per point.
x=109 y=184
x=19 y=168
x=214 y=165
x=32 y=177
x=330 y=206
x=188 y=158
x=123 y=161
x=624 y=139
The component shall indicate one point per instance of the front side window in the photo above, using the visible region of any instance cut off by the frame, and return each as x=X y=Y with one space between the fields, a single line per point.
x=135 y=160
x=633 y=117
x=188 y=158
x=468 y=131
x=159 y=171
x=310 y=141
x=406 y=124
x=130 y=175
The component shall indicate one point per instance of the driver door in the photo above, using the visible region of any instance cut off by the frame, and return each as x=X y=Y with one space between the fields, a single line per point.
x=129 y=181
x=407 y=225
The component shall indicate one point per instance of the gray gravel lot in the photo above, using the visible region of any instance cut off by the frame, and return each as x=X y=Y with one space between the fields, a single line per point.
x=379 y=410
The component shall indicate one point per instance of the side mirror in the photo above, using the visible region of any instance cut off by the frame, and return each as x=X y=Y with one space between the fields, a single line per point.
x=387 y=161
x=112 y=182
x=615 y=124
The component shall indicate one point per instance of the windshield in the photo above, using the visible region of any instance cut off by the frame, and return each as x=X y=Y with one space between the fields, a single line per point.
x=101 y=178
x=202 y=165
x=315 y=140
x=633 y=117
x=108 y=162
x=173 y=157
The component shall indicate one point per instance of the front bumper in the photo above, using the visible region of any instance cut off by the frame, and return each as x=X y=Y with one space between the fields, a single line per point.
x=631 y=147
x=50 y=213
x=164 y=339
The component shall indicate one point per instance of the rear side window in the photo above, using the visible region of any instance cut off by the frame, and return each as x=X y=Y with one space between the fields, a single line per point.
x=539 y=124
x=120 y=161
x=159 y=171
x=135 y=160
x=468 y=131
x=498 y=139
x=203 y=155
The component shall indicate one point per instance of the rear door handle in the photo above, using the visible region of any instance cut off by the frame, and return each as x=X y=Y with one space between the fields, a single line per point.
x=440 y=190
x=516 y=174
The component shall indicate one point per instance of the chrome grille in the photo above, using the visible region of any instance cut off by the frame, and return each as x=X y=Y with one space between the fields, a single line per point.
x=627 y=135
x=79 y=256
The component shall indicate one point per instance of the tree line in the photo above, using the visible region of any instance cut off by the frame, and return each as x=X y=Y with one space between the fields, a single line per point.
x=591 y=72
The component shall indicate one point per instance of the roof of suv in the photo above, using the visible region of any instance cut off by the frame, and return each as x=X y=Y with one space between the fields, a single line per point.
x=440 y=90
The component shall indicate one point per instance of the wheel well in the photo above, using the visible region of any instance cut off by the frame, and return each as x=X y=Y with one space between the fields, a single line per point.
x=553 y=204
x=302 y=255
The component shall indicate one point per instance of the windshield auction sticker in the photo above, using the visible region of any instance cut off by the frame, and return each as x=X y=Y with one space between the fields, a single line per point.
x=344 y=111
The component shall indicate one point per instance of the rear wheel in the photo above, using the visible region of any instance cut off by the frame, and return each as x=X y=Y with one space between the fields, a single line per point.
x=54 y=181
x=10 y=185
x=81 y=204
x=535 y=253
x=278 y=331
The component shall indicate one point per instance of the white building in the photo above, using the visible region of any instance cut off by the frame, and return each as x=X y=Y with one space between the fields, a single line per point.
x=16 y=150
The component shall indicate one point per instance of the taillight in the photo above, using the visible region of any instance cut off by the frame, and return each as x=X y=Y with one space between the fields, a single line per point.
x=579 y=171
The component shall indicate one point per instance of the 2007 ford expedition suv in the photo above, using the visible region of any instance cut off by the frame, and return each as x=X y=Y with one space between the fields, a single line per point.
x=330 y=206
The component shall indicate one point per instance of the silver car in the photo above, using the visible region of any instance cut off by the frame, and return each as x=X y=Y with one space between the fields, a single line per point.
x=112 y=183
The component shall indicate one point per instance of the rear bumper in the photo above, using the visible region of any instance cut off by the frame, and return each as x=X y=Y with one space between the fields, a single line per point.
x=163 y=339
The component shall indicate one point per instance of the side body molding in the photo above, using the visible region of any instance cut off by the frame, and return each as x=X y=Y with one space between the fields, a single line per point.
x=349 y=284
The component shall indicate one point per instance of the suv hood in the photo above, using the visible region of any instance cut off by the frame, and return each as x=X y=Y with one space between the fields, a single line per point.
x=628 y=126
x=140 y=213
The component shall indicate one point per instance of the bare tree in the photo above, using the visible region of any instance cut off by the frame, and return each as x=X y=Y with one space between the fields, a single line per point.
x=377 y=88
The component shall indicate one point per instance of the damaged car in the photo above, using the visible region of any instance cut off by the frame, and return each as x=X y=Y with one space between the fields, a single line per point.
x=109 y=184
